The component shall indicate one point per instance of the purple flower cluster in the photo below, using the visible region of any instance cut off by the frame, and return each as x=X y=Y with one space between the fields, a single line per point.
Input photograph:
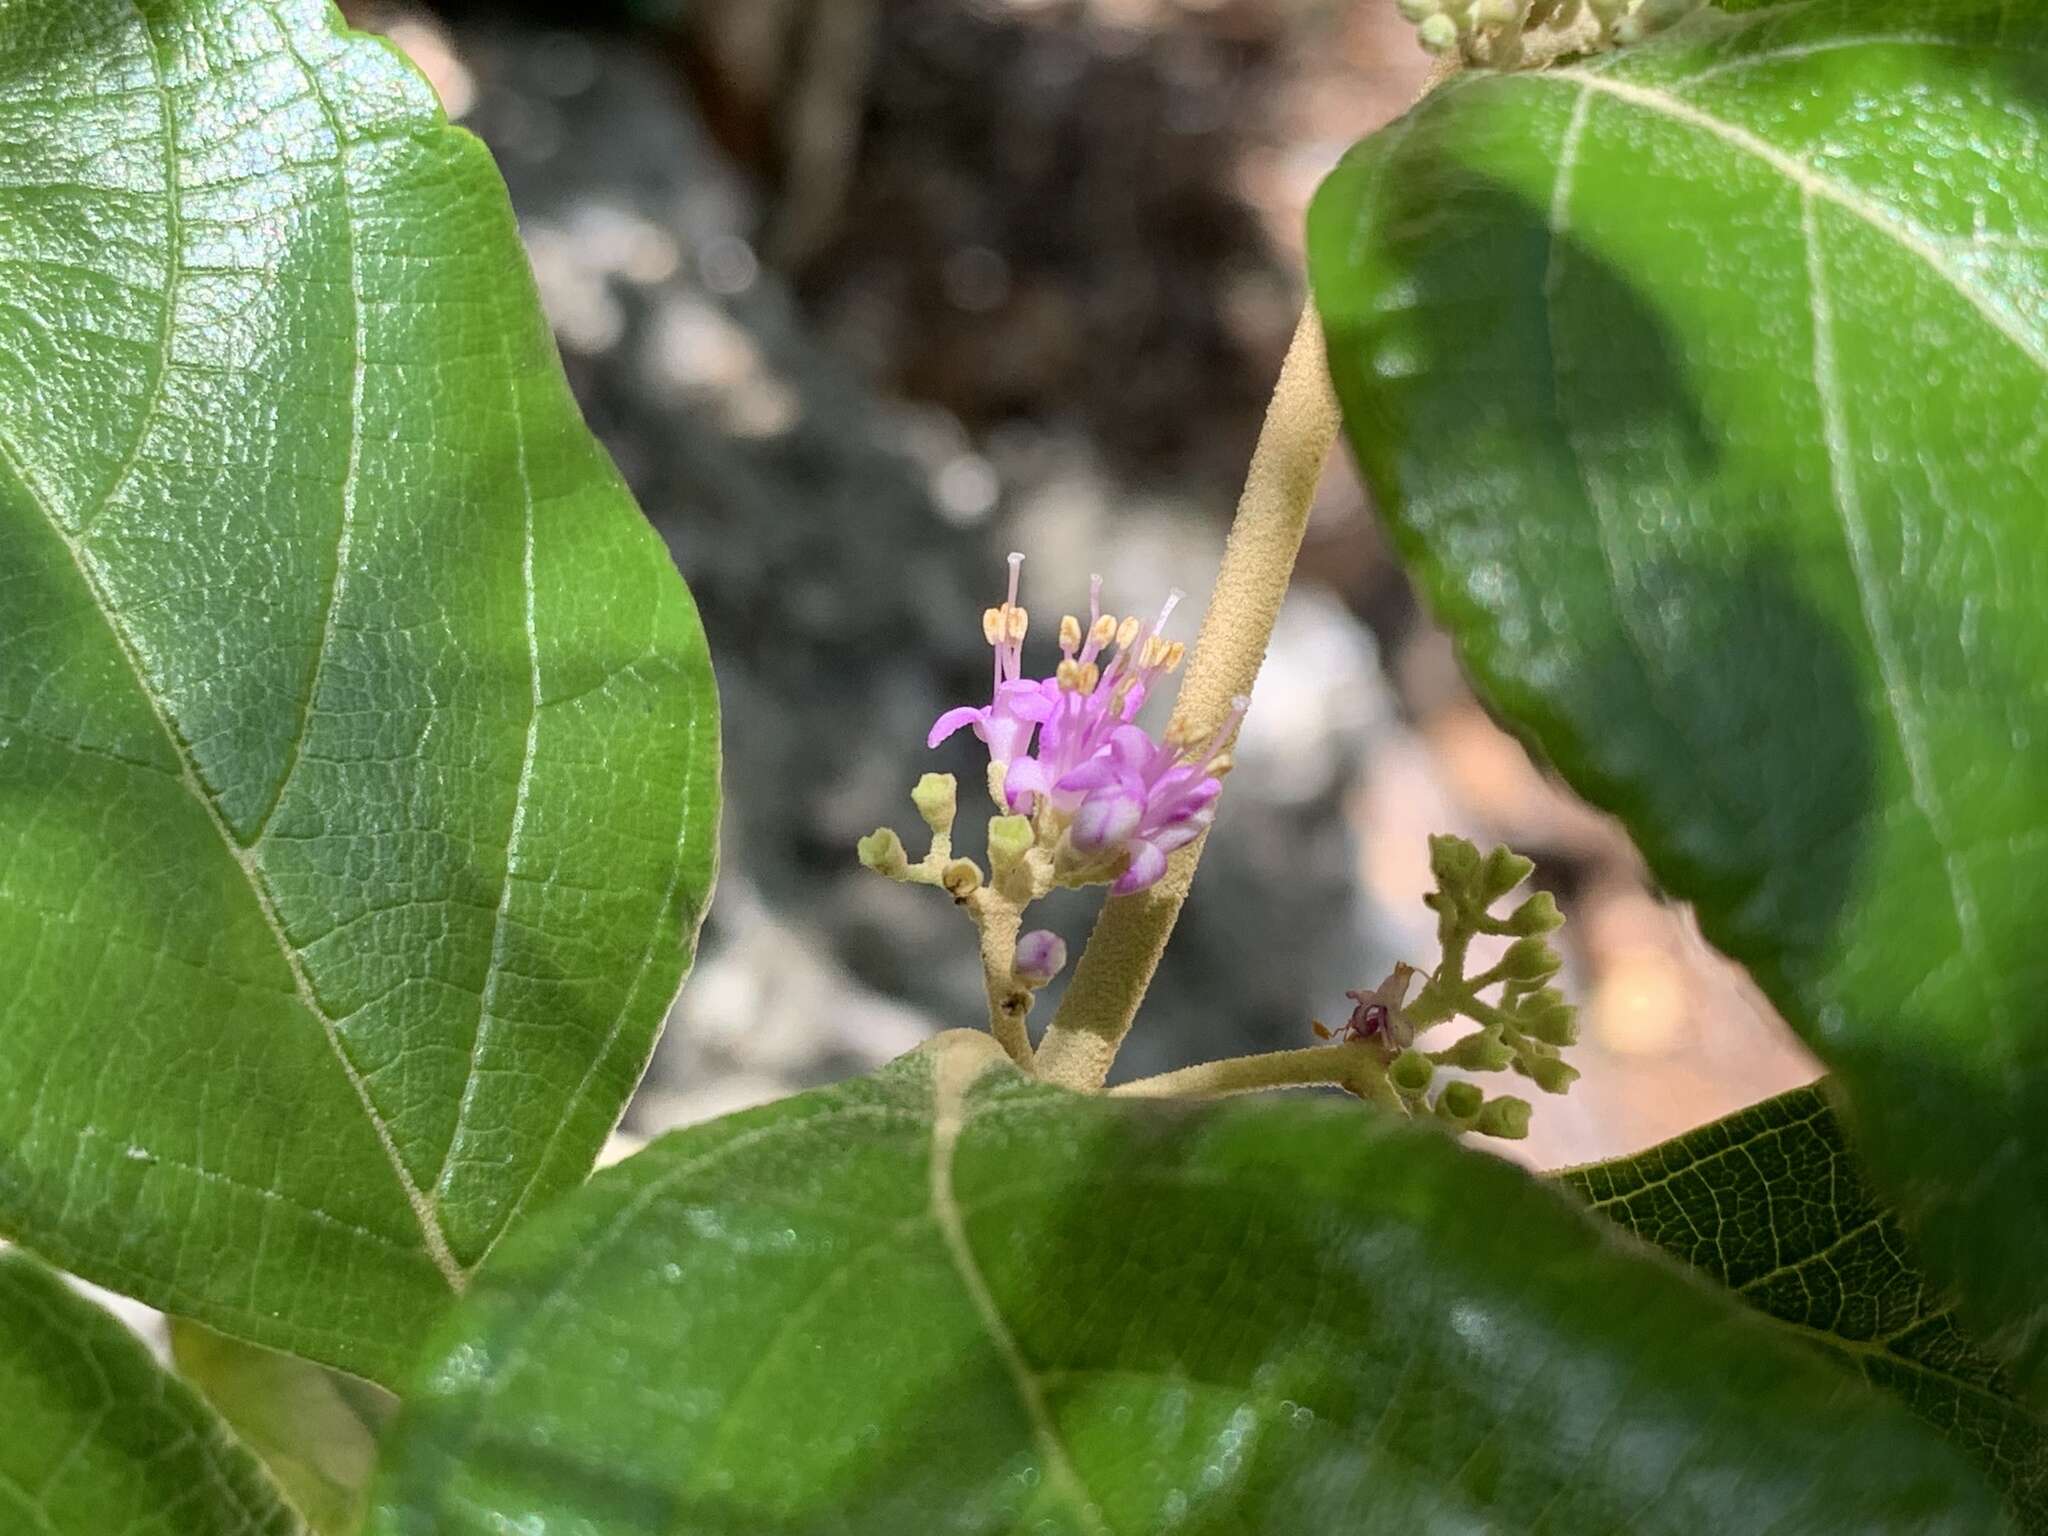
x=1094 y=782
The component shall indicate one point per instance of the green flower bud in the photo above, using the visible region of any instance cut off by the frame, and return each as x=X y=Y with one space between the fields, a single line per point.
x=1552 y=1075
x=1502 y=872
x=1496 y=13
x=1417 y=11
x=1481 y=1052
x=1548 y=1017
x=1411 y=1071
x=1530 y=960
x=1505 y=1118
x=1536 y=916
x=1454 y=862
x=882 y=851
x=1439 y=34
x=937 y=798
x=1009 y=839
x=1459 y=1103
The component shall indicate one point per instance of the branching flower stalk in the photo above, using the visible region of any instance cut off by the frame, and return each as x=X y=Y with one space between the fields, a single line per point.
x=1523 y=1029
x=1085 y=796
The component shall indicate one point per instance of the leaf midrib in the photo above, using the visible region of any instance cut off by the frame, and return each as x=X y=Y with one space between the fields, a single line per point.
x=433 y=1239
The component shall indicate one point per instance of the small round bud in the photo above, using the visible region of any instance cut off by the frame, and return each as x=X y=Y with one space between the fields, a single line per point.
x=1417 y=11
x=1530 y=960
x=937 y=798
x=1496 y=13
x=1459 y=1103
x=1454 y=862
x=1009 y=839
x=882 y=851
x=1552 y=1075
x=1411 y=1071
x=1502 y=872
x=1505 y=1118
x=1548 y=1017
x=1481 y=1052
x=1536 y=917
x=1041 y=955
x=1439 y=34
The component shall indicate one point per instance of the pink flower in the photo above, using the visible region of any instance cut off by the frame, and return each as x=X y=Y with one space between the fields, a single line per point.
x=1120 y=797
x=1016 y=707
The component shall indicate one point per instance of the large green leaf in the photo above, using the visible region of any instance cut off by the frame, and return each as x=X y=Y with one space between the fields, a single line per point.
x=1702 y=384
x=1771 y=1204
x=95 y=1438
x=357 y=738
x=950 y=1298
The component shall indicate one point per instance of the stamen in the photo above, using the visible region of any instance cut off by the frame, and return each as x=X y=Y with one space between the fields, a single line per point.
x=1070 y=634
x=992 y=625
x=1102 y=631
x=1019 y=622
x=1127 y=632
x=1077 y=676
x=1175 y=654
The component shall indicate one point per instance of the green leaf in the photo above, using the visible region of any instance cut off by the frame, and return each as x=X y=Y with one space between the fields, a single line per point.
x=96 y=1438
x=1702 y=385
x=357 y=737
x=947 y=1297
x=1771 y=1203
x=315 y=1428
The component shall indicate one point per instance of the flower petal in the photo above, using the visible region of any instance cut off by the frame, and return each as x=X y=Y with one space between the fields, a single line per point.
x=1026 y=776
x=1028 y=700
x=1147 y=865
x=952 y=720
x=1106 y=818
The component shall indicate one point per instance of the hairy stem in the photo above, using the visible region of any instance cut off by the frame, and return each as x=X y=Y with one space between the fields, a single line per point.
x=1009 y=1001
x=1113 y=972
x=1341 y=1066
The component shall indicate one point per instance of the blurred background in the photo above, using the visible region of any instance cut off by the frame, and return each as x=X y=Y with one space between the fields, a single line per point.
x=862 y=294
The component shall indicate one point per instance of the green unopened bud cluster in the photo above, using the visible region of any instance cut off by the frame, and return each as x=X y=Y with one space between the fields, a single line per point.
x=1493 y=33
x=1524 y=1029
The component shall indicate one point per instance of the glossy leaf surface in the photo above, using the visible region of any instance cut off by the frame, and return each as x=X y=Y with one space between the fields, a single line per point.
x=357 y=738
x=947 y=1298
x=1702 y=385
x=96 y=1438
x=1772 y=1204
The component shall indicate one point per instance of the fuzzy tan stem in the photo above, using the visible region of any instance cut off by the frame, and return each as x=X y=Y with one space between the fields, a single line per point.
x=1117 y=966
x=1340 y=1066
x=1009 y=1000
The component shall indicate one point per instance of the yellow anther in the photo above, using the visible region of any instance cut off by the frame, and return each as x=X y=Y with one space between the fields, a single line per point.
x=992 y=625
x=1102 y=631
x=1091 y=674
x=1223 y=763
x=1068 y=674
x=1070 y=633
x=1019 y=621
x=1155 y=652
x=1175 y=654
x=1127 y=632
